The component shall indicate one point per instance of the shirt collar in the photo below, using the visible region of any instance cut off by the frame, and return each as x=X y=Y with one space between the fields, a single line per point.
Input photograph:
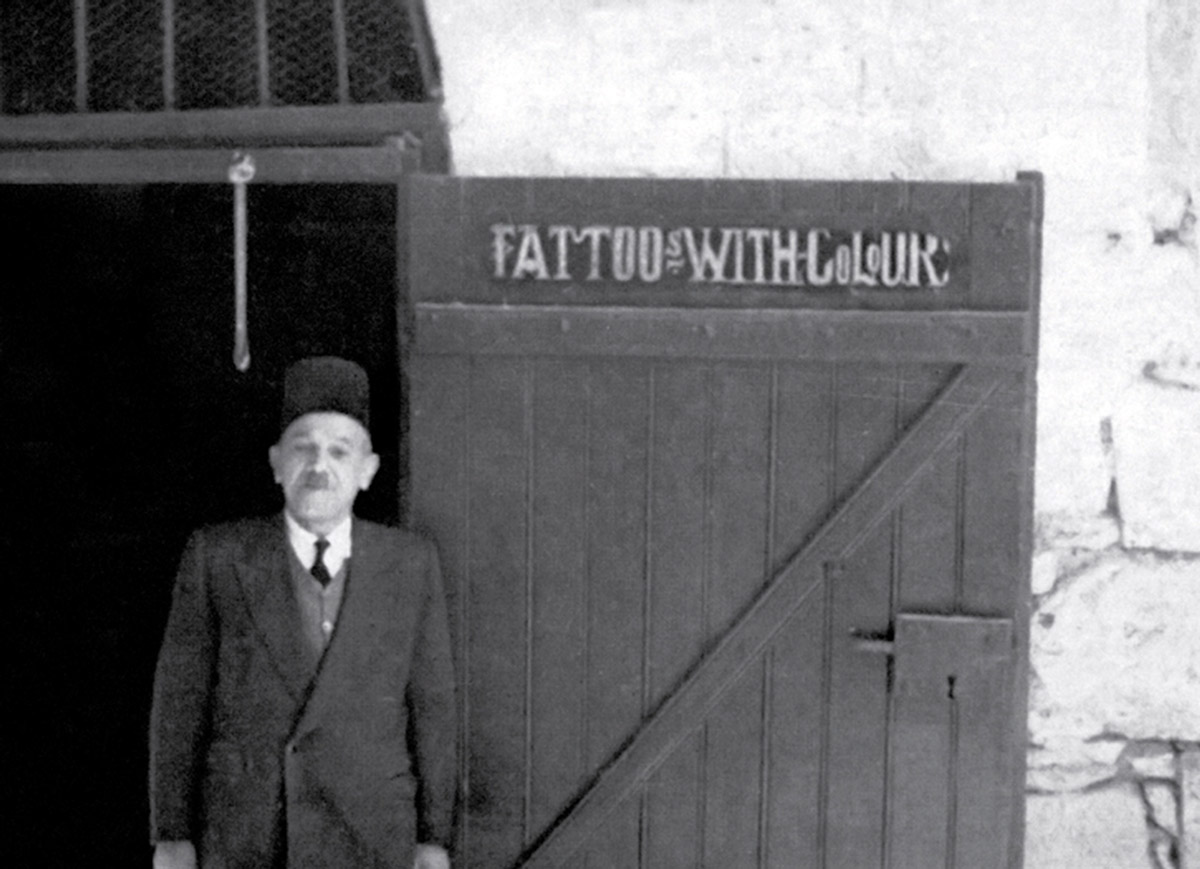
x=303 y=543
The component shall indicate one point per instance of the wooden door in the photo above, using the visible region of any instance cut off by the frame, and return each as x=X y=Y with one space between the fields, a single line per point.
x=737 y=554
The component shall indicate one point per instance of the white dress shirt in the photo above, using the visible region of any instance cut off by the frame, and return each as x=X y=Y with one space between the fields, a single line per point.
x=319 y=605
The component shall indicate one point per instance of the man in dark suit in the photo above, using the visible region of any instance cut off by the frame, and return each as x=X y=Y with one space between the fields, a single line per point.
x=303 y=707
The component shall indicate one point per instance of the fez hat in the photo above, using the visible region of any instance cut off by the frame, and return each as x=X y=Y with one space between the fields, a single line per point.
x=325 y=383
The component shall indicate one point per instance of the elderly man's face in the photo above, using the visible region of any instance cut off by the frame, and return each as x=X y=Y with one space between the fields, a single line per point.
x=322 y=462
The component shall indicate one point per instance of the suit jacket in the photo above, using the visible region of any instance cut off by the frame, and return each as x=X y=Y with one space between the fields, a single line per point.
x=256 y=751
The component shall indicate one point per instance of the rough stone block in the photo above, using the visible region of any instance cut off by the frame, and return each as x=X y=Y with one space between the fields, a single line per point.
x=1150 y=760
x=1156 y=439
x=1077 y=531
x=1115 y=651
x=1103 y=829
x=1045 y=571
x=1065 y=777
x=1161 y=801
x=1068 y=764
x=1073 y=473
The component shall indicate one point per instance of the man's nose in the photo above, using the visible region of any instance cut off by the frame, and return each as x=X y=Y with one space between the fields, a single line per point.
x=320 y=461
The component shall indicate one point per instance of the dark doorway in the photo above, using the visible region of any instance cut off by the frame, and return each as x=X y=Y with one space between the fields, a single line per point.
x=126 y=425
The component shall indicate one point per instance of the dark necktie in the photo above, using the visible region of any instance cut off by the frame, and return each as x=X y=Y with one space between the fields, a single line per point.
x=319 y=571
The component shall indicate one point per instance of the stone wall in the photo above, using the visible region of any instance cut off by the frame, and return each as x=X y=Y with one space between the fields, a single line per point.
x=1102 y=97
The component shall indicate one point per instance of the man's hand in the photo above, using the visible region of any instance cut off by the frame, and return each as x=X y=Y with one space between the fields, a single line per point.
x=430 y=857
x=175 y=855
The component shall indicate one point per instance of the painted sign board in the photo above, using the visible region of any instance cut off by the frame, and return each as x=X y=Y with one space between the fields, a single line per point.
x=757 y=256
x=721 y=244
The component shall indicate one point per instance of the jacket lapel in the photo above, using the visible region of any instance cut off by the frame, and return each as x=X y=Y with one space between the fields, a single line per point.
x=266 y=586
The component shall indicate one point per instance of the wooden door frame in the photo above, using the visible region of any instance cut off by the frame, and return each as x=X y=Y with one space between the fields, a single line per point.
x=379 y=164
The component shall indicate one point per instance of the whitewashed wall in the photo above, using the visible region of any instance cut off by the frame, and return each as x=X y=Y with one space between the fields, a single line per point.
x=1103 y=97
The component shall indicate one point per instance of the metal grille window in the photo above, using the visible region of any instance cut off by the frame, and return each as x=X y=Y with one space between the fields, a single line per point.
x=65 y=56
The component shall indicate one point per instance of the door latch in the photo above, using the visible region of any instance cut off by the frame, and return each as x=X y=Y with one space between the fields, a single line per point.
x=873 y=642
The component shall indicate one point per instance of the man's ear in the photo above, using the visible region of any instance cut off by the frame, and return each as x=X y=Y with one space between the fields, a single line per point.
x=367 y=472
x=273 y=458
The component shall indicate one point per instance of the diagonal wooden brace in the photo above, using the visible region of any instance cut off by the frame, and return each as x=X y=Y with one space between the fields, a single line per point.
x=875 y=498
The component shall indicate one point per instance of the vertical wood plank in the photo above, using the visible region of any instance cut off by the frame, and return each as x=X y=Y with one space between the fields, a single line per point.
x=435 y=234
x=615 y=556
x=740 y=195
x=950 y=719
x=81 y=56
x=794 y=743
x=496 y=676
x=677 y=576
x=484 y=201
x=339 y=49
x=881 y=198
x=168 y=74
x=741 y=420
x=861 y=600
x=262 y=44
x=438 y=439
x=803 y=490
x=803 y=456
x=984 y=765
x=1002 y=246
x=928 y=550
x=948 y=207
x=649 y=194
x=948 y=204
x=616 y=843
x=731 y=802
x=673 y=809
x=922 y=792
x=677 y=520
x=994 y=580
x=739 y=468
x=993 y=572
x=818 y=198
x=559 y=624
